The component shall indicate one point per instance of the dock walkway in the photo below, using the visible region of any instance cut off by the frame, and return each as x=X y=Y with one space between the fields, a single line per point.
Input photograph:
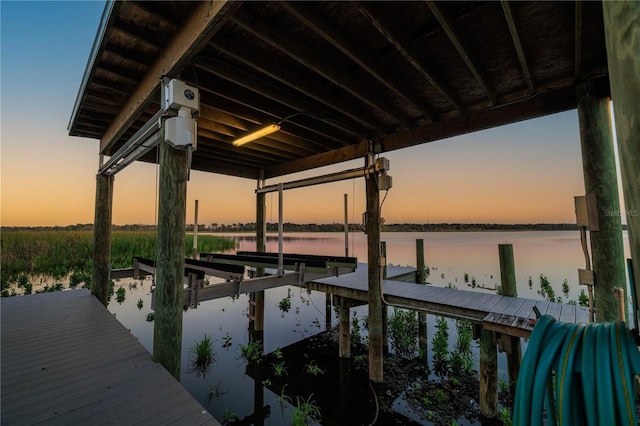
x=508 y=315
x=67 y=360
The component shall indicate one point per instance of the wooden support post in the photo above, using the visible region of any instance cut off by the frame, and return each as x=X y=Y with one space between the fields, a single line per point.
x=102 y=238
x=488 y=374
x=622 y=39
x=509 y=288
x=167 y=332
x=346 y=226
x=600 y=179
x=385 y=310
x=344 y=329
x=372 y=228
x=421 y=278
x=194 y=254
x=327 y=311
x=257 y=298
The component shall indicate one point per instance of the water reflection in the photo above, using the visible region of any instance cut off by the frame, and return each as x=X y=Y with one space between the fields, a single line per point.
x=256 y=392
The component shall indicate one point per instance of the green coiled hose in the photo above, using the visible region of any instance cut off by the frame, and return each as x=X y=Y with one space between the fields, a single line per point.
x=594 y=367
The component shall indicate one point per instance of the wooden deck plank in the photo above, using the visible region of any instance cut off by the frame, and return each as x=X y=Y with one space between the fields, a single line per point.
x=65 y=359
x=511 y=315
x=554 y=310
x=513 y=306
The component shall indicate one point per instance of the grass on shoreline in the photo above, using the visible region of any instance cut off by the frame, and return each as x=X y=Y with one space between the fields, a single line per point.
x=60 y=253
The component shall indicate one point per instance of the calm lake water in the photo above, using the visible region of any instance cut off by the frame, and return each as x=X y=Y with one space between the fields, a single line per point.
x=229 y=387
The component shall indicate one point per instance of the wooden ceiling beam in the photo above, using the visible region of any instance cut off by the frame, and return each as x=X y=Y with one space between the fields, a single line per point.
x=517 y=43
x=290 y=77
x=358 y=150
x=195 y=32
x=137 y=58
x=402 y=43
x=250 y=154
x=578 y=42
x=142 y=6
x=300 y=52
x=462 y=46
x=214 y=165
x=264 y=111
x=542 y=104
x=271 y=112
x=111 y=87
x=135 y=35
x=308 y=14
x=124 y=74
x=225 y=136
x=221 y=117
x=269 y=90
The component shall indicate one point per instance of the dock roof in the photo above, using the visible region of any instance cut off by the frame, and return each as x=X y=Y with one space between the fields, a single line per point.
x=340 y=74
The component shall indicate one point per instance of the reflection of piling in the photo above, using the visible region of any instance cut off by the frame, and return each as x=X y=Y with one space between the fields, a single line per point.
x=421 y=278
x=345 y=386
x=256 y=299
x=385 y=309
x=510 y=344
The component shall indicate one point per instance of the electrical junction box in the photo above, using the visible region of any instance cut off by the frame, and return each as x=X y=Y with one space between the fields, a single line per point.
x=381 y=164
x=181 y=132
x=384 y=182
x=177 y=94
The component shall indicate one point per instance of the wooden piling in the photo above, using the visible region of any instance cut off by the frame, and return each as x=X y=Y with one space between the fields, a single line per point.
x=600 y=179
x=509 y=288
x=169 y=299
x=344 y=329
x=257 y=298
x=372 y=228
x=622 y=41
x=102 y=238
x=488 y=374
x=421 y=278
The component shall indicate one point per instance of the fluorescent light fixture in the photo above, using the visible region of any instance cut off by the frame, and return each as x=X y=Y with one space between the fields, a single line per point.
x=257 y=134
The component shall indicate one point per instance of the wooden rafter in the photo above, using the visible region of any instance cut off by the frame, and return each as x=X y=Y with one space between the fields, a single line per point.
x=517 y=43
x=545 y=103
x=462 y=46
x=196 y=31
x=402 y=43
x=578 y=41
x=322 y=26
x=301 y=53
x=267 y=89
x=322 y=135
x=290 y=77
x=132 y=33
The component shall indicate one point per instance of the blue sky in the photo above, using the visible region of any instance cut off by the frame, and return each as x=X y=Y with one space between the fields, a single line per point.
x=526 y=172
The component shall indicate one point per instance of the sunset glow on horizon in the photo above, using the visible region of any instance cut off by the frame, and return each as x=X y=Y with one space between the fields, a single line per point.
x=526 y=172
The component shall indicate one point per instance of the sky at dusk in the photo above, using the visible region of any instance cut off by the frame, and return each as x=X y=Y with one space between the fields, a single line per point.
x=523 y=173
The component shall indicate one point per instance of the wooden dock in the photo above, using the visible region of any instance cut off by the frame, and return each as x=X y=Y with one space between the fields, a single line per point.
x=513 y=316
x=67 y=360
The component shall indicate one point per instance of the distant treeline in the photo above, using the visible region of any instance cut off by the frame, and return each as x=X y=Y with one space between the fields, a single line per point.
x=327 y=227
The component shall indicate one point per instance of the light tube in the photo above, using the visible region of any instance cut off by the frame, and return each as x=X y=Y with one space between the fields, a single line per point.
x=271 y=128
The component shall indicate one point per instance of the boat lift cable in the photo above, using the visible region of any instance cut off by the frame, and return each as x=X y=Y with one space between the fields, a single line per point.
x=583 y=374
